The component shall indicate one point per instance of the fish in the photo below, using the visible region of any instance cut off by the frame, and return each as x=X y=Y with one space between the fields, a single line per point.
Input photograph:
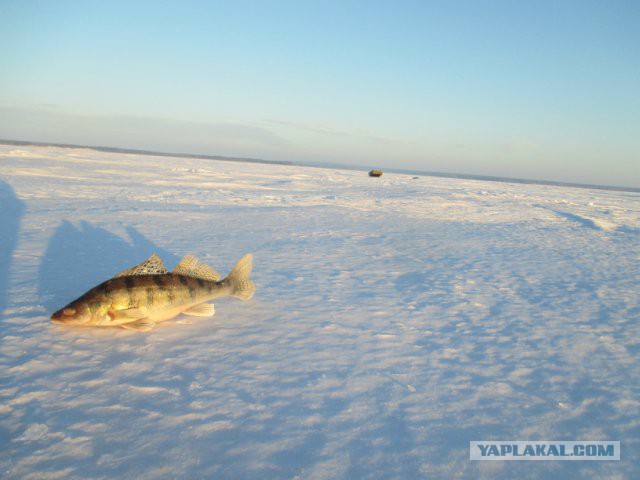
x=144 y=295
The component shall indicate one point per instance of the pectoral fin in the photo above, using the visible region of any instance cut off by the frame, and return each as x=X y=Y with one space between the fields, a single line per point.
x=127 y=314
x=201 y=310
x=142 y=325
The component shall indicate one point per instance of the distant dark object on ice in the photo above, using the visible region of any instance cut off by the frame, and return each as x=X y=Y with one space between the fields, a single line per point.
x=375 y=173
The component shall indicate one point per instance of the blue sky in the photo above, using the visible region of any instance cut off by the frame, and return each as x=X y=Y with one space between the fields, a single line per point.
x=539 y=89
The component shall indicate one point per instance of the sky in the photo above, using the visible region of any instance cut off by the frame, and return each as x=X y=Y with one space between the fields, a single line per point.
x=532 y=89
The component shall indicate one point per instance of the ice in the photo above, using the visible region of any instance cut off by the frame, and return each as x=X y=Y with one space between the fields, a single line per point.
x=396 y=319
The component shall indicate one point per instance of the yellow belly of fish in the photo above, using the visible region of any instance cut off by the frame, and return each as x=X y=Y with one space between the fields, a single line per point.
x=160 y=315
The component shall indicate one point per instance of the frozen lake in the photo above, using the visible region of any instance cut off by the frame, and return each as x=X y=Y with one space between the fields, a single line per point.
x=395 y=320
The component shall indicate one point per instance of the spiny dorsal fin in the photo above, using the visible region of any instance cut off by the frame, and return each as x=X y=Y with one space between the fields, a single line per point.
x=151 y=266
x=190 y=266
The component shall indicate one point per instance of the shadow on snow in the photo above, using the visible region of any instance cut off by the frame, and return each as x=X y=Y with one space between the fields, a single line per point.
x=79 y=258
x=11 y=212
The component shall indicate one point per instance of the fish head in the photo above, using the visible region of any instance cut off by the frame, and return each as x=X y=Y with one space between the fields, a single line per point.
x=80 y=312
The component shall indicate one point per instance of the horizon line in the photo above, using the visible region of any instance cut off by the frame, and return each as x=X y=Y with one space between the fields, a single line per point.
x=339 y=166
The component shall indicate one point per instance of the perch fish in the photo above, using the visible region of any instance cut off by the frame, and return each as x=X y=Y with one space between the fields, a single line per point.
x=146 y=294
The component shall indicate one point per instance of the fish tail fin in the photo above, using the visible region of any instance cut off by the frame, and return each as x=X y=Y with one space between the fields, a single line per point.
x=241 y=285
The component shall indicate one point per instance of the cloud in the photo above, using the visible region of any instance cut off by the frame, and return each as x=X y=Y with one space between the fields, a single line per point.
x=50 y=123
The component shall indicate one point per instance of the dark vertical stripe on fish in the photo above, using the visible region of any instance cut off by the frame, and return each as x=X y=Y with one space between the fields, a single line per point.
x=94 y=305
x=107 y=293
x=105 y=289
x=129 y=283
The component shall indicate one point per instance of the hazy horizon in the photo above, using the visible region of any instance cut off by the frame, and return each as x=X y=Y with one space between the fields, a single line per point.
x=318 y=164
x=540 y=90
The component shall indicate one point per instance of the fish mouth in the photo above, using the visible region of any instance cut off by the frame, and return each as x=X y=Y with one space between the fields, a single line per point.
x=64 y=315
x=67 y=321
x=57 y=318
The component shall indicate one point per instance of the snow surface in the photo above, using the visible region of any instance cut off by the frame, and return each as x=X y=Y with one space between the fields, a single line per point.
x=395 y=320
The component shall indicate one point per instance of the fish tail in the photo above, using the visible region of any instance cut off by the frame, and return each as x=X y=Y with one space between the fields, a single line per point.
x=241 y=285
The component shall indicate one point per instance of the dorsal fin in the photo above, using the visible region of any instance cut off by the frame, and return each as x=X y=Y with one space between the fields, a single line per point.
x=151 y=266
x=190 y=266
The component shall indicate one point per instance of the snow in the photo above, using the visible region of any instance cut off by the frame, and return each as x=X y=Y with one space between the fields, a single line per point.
x=395 y=320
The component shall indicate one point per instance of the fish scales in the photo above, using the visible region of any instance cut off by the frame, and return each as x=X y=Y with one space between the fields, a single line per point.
x=157 y=291
x=137 y=300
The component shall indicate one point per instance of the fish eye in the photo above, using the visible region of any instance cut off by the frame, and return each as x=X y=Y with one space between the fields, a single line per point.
x=69 y=311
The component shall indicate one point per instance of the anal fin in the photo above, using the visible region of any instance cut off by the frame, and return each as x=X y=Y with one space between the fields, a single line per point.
x=201 y=310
